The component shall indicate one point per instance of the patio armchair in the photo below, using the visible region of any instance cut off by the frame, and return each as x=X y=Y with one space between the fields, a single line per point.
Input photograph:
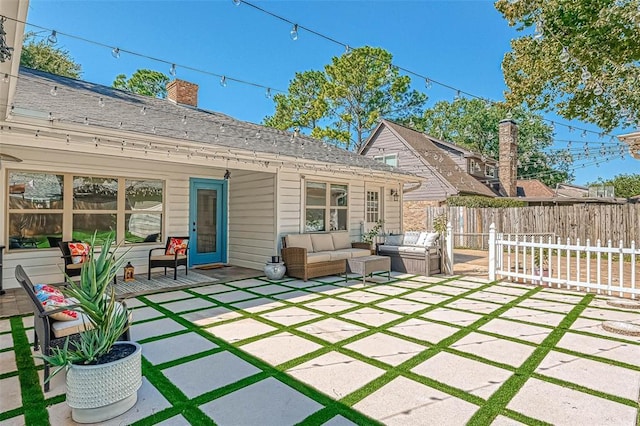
x=174 y=254
x=50 y=333
x=71 y=268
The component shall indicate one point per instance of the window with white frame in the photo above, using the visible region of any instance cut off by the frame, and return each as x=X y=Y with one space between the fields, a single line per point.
x=373 y=206
x=326 y=207
x=389 y=159
x=39 y=217
x=490 y=171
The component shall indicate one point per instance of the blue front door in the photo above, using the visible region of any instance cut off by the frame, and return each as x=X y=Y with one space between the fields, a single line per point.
x=207 y=221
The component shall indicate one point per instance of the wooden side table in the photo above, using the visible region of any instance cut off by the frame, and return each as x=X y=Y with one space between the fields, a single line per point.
x=367 y=265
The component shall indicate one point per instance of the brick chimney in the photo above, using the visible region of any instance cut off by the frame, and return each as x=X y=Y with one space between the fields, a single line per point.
x=508 y=158
x=183 y=92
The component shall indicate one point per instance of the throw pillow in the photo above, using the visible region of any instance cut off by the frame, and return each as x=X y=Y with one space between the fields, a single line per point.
x=421 y=239
x=52 y=298
x=431 y=239
x=394 y=240
x=79 y=252
x=177 y=245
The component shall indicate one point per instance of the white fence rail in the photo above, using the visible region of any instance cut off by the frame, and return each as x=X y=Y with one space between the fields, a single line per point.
x=605 y=269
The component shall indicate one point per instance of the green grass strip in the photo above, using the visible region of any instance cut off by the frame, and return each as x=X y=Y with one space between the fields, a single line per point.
x=497 y=402
x=33 y=405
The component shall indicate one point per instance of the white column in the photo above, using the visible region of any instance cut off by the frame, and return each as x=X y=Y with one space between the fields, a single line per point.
x=449 y=250
x=492 y=252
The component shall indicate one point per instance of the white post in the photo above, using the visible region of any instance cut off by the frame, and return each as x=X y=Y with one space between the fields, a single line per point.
x=449 y=249
x=492 y=252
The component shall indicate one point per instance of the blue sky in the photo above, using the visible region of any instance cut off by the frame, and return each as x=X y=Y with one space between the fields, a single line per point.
x=459 y=43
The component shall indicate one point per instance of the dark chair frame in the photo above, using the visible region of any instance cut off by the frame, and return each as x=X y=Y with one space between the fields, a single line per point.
x=170 y=263
x=68 y=260
x=43 y=334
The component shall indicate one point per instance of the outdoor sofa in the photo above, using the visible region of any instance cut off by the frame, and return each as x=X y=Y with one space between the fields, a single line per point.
x=319 y=254
x=413 y=252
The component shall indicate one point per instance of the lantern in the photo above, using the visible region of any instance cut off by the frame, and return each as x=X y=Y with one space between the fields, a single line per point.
x=128 y=272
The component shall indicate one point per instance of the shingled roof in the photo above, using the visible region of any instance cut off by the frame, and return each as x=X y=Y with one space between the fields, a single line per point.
x=97 y=106
x=422 y=144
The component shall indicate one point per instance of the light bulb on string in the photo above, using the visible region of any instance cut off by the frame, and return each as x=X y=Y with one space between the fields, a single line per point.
x=564 y=55
x=101 y=102
x=172 y=70
x=294 y=32
x=53 y=37
x=539 y=31
x=586 y=75
x=614 y=102
x=5 y=79
x=115 y=52
x=143 y=110
x=598 y=90
x=54 y=91
x=184 y=120
x=237 y=2
x=427 y=83
x=258 y=134
x=267 y=93
x=223 y=81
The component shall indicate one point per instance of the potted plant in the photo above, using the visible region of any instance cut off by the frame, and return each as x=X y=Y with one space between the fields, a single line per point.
x=370 y=236
x=103 y=375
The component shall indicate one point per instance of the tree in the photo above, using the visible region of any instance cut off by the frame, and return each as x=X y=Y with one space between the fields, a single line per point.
x=41 y=56
x=144 y=82
x=625 y=186
x=344 y=102
x=581 y=61
x=473 y=123
x=303 y=106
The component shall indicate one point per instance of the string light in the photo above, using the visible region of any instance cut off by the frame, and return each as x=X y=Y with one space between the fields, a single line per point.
x=53 y=37
x=54 y=91
x=115 y=52
x=237 y=2
x=294 y=32
x=267 y=93
x=223 y=81
x=101 y=102
x=172 y=70
x=5 y=79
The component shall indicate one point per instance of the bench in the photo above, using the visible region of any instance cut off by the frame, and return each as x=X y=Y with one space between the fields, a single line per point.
x=413 y=252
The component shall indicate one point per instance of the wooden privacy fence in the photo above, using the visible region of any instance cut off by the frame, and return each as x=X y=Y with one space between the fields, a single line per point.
x=605 y=268
x=594 y=221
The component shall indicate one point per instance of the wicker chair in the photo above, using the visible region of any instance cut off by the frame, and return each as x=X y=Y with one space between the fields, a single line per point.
x=50 y=333
x=169 y=260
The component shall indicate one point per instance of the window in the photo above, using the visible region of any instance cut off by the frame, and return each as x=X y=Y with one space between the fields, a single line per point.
x=391 y=159
x=474 y=167
x=373 y=206
x=35 y=209
x=490 y=171
x=326 y=207
x=131 y=208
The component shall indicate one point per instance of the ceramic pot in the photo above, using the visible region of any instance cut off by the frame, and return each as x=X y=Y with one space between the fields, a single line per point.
x=275 y=271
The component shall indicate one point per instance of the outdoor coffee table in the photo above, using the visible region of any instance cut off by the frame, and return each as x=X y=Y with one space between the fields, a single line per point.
x=367 y=265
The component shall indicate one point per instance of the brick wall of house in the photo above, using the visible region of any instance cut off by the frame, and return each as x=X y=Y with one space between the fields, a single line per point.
x=414 y=216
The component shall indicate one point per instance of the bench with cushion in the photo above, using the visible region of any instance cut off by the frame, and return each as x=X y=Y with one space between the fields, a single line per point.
x=53 y=326
x=317 y=255
x=413 y=252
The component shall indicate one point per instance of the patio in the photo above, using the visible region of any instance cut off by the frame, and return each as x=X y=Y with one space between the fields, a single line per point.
x=411 y=350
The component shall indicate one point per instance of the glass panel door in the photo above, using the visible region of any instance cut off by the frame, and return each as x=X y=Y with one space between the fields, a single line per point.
x=207 y=220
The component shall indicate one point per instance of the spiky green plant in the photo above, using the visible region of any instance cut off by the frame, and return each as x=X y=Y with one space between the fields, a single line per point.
x=96 y=299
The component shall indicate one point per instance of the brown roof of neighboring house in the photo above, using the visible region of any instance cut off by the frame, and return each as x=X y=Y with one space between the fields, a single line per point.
x=463 y=182
x=533 y=188
x=572 y=191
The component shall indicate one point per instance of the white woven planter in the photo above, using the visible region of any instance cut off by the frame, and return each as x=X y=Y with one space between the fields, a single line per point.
x=100 y=392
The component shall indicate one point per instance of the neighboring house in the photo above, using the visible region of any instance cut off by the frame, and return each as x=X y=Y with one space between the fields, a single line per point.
x=567 y=190
x=97 y=158
x=446 y=169
x=528 y=188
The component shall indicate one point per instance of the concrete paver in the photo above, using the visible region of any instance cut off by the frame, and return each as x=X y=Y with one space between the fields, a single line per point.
x=388 y=349
x=330 y=305
x=10 y=400
x=290 y=316
x=471 y=376
x=145 y=313
x=7 y=362
x=272 y=403
x=404 y=402
x=596 y=375
x=332 y=330
x=535 y=316
x=202 y=375
x=563 y=406
x=168 y=296
x=424 y=330
x=494 y=349
x=530 y=333
x=154 y=328
x=175 y=347
x=609 y=349
x=187 y=305
x=280 y=348
x=452 y=316
x=402 y=305
x=335 y=374
x=211 y=316
x=239 y=330
x=371 y=316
